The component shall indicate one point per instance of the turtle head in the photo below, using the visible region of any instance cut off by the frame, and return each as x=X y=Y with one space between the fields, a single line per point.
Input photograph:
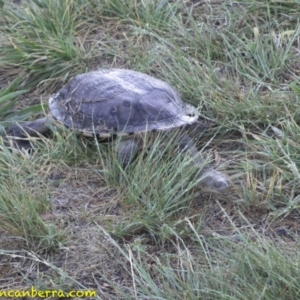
x=215 y=181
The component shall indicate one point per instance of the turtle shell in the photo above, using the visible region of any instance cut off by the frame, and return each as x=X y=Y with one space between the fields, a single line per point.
x=111 y=102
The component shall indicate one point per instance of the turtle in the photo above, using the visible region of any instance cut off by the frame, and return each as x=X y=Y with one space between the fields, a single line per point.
x=113 y=103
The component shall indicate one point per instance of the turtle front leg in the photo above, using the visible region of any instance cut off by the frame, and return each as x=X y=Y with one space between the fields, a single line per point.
x=127 y=150
x=20 y=131
x=212 y=180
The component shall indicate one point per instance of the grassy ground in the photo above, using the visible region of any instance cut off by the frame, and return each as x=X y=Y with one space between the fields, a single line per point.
x=72 y=218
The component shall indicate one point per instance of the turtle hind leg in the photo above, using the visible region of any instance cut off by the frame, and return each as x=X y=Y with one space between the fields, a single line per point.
x=33 y=128
x=23 y=130
x=127 y=150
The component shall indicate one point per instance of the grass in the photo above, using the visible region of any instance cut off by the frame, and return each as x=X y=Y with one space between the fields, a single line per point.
x=156 y=197
x=72 y=218
x=207 y=269
x=8 y=99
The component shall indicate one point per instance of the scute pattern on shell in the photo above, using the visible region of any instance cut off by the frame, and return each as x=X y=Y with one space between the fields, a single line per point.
x=117 y=101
